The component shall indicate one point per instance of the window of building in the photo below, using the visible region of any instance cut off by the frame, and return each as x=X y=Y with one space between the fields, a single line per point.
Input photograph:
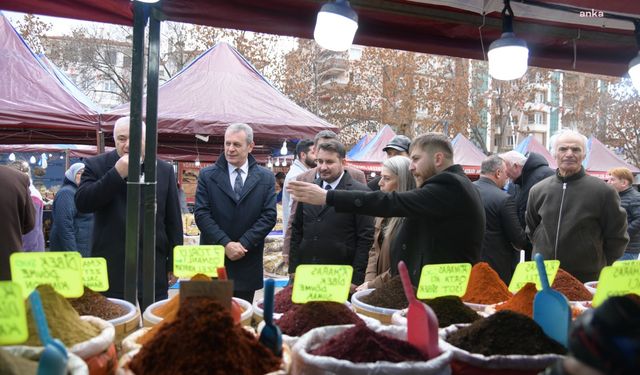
x=540 y=97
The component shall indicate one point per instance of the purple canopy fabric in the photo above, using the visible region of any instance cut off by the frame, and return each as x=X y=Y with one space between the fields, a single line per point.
x=221 y=87
x=600 y=159
x=31 y=98
x=531 y=144
x=468 y=155
x=370 y=156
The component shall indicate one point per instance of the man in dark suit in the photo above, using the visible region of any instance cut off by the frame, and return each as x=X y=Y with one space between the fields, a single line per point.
x=503 y=233
x=236 y=208
x=320 y=235
x=103 y=191
x=18 y=215
x=444 y=216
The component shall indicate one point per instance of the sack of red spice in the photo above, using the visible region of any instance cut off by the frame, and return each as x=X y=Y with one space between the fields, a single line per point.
x=303 y=362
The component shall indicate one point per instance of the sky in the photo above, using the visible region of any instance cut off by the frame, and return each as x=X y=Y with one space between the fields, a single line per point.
x=60 y=26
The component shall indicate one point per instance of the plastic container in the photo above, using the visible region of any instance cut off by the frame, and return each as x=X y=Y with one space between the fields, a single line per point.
x=150 y=319
x=380 y=313
x=126 y=324
x=591 y=286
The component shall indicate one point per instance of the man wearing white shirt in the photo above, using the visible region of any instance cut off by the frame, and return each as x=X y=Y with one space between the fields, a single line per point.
x=305 y=160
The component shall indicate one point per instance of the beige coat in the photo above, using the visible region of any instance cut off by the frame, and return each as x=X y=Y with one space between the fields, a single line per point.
x=378 y=269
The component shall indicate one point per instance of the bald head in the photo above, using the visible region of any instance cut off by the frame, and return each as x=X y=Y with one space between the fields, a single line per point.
x=569 y=149
x=121 y=136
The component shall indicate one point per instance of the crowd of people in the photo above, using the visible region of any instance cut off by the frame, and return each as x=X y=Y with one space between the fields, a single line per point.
x=422 y=209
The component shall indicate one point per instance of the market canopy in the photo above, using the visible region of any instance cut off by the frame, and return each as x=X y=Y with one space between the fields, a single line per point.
x=600 y=159
x=371 y=156
x=468 y=155
x=34 y=105
x=531 y=144
x=561 y=34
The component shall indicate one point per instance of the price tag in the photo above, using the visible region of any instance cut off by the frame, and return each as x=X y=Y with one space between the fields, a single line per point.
x=61 y=270
x=527 y=272
x=317 y=282
x=438 y=280
x=626 y=263
x=94 y=274
x=617 y=281
x=192 y=260
x=13 y=316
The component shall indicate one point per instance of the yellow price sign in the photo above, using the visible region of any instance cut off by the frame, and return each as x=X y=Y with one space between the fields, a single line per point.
x=527 y=272
x=94 y=274
x=617 y=281
x=13 y=316
x=626 y=263
x=62 y=270
x=438 y=280
x=191 y=260
x=318 y=282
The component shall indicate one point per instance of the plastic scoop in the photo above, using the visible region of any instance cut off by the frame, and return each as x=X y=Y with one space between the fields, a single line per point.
x=271 y=336
x=53 y=360
x=551 y=308
x=422 y=323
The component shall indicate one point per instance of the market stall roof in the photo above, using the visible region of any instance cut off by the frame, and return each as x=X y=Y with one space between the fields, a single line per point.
x=360 y=145
x=531 y=144
x=219 y=88
x=561 y=34
x=370 y=157
x=600 y=159
x=34 y=105
x=468 y=155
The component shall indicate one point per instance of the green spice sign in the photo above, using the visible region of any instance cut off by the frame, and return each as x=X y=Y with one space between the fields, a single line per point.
x=94 y=274
x=317 y=282
x=191 y=260
x=527 y=272
x=62 y=270
x=438 y=280
x=13 y=317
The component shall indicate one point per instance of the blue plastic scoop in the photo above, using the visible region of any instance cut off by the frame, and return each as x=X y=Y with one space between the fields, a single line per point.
x=271 y=336
x=551 y=308
x=53 y=360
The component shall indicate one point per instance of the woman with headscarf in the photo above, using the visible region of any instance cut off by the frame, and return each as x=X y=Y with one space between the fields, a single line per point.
x=71 y=230
x=395 y=176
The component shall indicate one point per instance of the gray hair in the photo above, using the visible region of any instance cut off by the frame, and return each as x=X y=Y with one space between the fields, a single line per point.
x=491 y=164
x=241 y=127
x=567 y=133
x=399 y=165
x=514 y=158
x=324 y=134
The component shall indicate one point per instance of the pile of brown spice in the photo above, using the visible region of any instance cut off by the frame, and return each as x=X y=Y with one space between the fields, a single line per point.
x=94 y=303
x=505 y=333
x=303 y=318
x=203 y=339
x=389 y=296
x=282 y=300
x=64 y=322
x=522 y=301
x=451 y=310
x=571 y=287
x=485 y=286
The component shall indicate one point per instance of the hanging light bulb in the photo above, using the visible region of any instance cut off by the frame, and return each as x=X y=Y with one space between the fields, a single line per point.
x=277 y=162
x=43 y=161
x=197 y=163
x=269 y=163
x=508 y=56
x=283 y=149
x=61 y=156
x=32 y=159
x=12 y=157
x=50 y=155
x=336 y=26
x=373 y=174
x=284 y=162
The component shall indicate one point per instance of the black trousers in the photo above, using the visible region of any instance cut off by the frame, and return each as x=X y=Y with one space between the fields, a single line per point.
x=246 y=295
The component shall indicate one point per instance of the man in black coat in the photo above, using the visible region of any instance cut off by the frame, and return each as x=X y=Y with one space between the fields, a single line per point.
x=320 y=235
x=445 y=217
x=103 y=191
x=236 y=208
x=503 y=231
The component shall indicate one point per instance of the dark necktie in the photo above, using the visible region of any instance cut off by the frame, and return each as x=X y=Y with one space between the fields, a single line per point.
x=237 y=186
x=328 y=187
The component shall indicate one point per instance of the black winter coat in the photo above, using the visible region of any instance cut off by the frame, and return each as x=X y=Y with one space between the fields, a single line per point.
x=534 y=170
x=103 y=192
x=223 y=219
x=320 y=235
x=445 y=220
x=630 y=201
x=502 y=232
